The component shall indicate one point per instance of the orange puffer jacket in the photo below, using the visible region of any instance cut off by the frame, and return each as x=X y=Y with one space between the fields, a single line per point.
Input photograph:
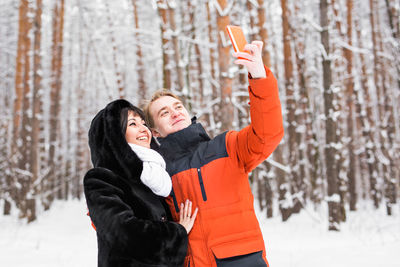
x=213 y=174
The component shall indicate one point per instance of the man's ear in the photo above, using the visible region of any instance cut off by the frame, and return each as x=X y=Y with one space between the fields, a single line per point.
x=155 y=133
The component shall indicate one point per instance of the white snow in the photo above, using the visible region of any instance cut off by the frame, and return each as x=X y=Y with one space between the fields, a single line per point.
x=63 y=237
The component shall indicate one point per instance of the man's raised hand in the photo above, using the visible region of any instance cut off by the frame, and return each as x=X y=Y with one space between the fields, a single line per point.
x=252 y=59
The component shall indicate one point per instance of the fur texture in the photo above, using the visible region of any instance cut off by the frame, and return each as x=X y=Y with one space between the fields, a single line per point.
x=134 y=226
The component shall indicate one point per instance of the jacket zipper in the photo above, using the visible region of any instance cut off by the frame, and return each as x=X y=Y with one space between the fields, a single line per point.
x=203 y=191
x=174 y=199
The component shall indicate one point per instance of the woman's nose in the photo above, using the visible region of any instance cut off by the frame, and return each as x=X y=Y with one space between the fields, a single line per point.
x=143 y=128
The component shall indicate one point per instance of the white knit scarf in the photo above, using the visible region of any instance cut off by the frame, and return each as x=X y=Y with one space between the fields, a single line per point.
x=154 y=174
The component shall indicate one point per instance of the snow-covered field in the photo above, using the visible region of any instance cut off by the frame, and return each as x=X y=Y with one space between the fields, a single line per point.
x=63 y=237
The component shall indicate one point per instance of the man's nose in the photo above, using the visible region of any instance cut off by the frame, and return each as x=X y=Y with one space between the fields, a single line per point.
x=174 y=113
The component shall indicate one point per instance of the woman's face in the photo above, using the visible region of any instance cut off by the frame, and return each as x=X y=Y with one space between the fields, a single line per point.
x=136 y=131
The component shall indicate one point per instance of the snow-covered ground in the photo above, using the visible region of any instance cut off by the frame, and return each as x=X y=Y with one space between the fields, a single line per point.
x=63 y=237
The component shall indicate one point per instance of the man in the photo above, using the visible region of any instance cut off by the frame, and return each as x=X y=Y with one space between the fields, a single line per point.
x=213 y=173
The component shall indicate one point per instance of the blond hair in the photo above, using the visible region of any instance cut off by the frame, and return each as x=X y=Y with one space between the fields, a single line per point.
x=157 y=94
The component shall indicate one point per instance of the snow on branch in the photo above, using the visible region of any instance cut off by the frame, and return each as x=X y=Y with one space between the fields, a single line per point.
x=279 y=165
x=352 y=48
x=333 y=198
x=222 y=12
x=225 y=42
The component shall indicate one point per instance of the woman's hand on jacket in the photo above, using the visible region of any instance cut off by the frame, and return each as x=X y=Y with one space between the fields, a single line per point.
x=186 y=218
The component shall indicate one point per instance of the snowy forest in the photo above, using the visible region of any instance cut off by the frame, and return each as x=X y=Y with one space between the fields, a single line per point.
x=337 y=63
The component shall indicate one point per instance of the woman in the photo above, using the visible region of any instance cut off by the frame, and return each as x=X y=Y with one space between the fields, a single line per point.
x=125 y=191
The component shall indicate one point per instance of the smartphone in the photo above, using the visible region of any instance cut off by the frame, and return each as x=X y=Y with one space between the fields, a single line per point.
x=237 y=37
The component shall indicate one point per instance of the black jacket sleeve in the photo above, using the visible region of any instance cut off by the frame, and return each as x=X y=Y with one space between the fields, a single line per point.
x=148 y=241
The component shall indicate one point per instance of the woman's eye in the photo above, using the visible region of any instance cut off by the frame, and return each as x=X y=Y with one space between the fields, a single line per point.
x=132 y=124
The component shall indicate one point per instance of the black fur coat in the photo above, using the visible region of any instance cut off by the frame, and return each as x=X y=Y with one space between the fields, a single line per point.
x=133 y=225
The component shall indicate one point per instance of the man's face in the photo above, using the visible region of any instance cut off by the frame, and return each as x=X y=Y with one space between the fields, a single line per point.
x=169 y=116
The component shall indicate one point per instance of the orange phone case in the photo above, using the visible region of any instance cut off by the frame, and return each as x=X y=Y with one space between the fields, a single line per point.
x=237 y=37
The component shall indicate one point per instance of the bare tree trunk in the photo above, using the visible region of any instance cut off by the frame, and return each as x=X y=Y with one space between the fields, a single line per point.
x=339 y=75
x=266 y=56
x=290 y=107
x=142 y=89
x=55 y=95
x=350 y=105
x=36 y=105
x=387 y=131
x=21 y=126
x=285 y=206
x=162 y=8
x=19 y=73
x=117 y=68
x=394 y=23
x=366 y=119
x=180 y=83
x=225 y=81
x=212 y=115
x=6 y=185
x=330 y=151
x=193 y=69
x=80 y=163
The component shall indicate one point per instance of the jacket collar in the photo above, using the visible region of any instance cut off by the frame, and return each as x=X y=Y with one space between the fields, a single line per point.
x=183 y=141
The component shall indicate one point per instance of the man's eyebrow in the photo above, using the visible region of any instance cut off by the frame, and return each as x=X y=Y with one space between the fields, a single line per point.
x=162 y=109
x=177 y=103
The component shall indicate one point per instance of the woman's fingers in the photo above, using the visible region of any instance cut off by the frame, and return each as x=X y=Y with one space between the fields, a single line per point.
x=186 y=218
x=189 y=209
x=194 y=215
x=181 y=216
x=186 y=208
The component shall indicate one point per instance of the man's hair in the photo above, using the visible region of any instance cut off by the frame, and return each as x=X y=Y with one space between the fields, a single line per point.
x=157 y=94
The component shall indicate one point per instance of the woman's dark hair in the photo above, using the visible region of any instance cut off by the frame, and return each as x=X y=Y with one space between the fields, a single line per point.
x=125 y=113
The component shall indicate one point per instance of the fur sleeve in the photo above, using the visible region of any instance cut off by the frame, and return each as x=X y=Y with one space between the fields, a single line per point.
x=153 y=242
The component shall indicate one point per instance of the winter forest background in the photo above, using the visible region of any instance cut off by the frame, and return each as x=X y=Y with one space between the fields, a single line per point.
x=337 y=63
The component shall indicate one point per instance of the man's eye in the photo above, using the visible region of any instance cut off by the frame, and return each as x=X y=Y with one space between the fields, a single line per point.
x=164 y=113
x=179 y=107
